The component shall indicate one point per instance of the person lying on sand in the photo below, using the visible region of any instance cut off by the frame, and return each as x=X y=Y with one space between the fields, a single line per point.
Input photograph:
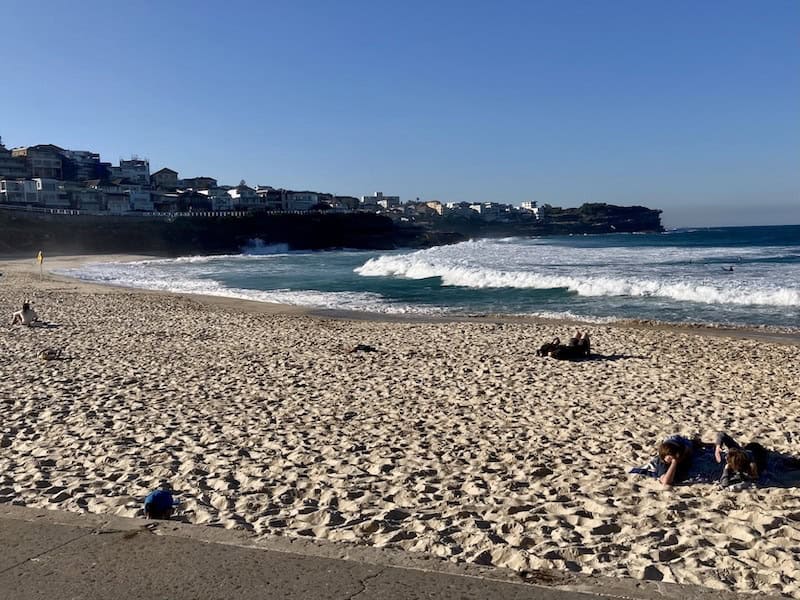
x=546 y=348
x=674 y=458
x=747 y=464
x=26 y=316
x=578 y=348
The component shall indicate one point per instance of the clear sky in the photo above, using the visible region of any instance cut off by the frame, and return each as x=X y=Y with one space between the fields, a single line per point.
x=689 y=106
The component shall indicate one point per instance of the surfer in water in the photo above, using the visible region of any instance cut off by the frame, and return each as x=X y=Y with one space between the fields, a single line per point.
x=728 y=269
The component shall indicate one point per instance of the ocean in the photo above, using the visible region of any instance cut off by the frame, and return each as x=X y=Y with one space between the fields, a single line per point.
x=740 y=276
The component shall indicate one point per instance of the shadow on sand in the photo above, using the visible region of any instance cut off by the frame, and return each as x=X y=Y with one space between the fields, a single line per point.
x=613 y=357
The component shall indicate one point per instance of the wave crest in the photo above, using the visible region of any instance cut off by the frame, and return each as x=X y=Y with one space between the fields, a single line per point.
x=414 y=267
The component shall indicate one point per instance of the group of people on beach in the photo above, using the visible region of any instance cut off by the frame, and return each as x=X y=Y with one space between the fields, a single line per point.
x=579 y=347
x=743 y=464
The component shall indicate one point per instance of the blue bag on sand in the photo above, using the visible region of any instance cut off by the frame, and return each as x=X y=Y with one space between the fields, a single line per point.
x=159 y=502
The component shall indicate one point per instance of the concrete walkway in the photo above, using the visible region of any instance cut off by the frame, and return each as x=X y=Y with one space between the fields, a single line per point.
x=59 y=556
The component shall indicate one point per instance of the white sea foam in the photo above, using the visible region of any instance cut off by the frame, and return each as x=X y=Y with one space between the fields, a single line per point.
x=254 y=249
x=567 y=315
x=146 y=275
x=526 y=254
x=258 y=247
x=469 y=266
x=589 y=279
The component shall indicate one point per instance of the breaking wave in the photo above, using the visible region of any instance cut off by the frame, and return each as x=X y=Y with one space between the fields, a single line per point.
x=414 y=267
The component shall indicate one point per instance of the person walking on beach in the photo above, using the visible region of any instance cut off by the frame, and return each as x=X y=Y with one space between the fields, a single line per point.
x=26 y=316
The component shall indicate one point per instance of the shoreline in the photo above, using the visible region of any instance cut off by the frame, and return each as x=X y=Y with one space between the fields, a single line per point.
x=450 y=440
x=776 y=334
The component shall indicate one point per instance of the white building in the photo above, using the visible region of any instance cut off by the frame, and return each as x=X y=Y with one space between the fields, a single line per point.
x=245 y=197
x=461 y=209
x=530 y=207
x=301 y=200
x=378 y=199
x=220 y=199
x=489 y=210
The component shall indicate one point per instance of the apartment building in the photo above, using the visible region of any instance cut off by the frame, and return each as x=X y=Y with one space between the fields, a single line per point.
x=18 y=191
x=11 y=167
x=135 y=170
x=164 y=179
x=44 y=160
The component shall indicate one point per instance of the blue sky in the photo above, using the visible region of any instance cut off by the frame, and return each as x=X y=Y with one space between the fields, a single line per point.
x=692 y=107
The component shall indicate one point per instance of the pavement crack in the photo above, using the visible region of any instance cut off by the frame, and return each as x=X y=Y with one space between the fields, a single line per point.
x=30 y=558
x=363 y=583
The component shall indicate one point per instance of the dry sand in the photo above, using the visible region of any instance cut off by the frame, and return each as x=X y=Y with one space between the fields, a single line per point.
x=452 y=439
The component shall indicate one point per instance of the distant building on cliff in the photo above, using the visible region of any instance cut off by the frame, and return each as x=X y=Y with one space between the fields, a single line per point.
x=436 y=206
x=346 y=203
x=194 y=201
x=245 y=198
x=530 y=206
x=44 y=160
x=197 y=183
x=11 y=167
x=136 y=170
x=18 y=192
x=300 y=200
x=379 y=200
x=272 y=199
x=83 y=165
x=219 y=197
x=164 y=179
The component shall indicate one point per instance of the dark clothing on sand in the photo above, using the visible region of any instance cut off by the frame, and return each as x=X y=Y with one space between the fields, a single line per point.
x=756 y=453
x=682 y=470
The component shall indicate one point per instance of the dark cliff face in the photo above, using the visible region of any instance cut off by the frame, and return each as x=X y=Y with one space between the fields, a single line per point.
x=589 y=218
x=23 y=233
x=606 y=218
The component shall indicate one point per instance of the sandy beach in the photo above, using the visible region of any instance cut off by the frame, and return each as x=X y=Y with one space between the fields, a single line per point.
x=452 y=439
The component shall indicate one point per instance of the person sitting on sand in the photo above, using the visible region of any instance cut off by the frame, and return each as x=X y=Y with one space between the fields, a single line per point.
x=674 y=459
x=577 y=348
x=26 y=316
x=159 y=503
x=742 y=464
x=581 y=341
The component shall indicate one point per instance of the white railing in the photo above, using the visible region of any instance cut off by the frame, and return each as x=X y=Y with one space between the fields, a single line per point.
x=155 y=214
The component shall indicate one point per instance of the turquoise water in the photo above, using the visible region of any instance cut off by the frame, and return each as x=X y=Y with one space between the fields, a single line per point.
x=678 y=276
